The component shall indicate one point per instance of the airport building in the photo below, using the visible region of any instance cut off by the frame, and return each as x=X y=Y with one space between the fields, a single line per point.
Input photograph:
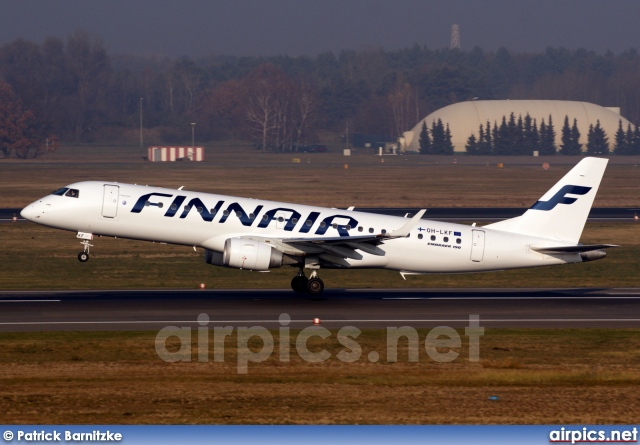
x=465 y=118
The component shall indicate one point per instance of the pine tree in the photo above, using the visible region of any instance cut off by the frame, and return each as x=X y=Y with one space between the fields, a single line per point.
x=501 y=138
x=425 y=140
x=438 y=140
x=636 y=141
x=547 y=138
x=535 y=137
x=448 y=144
x=620 y=146
x=630 y=140
x=576 y=146
x=565 y=147
x=598 y=143
x=472 y=145
x=527 y=135
x=486 y=145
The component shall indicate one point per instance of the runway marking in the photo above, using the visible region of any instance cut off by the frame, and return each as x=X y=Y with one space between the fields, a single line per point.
x=567 y=297
x=455 y=320
x=30 y=301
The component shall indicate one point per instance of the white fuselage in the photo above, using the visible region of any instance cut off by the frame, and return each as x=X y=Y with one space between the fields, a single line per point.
x=208 y=220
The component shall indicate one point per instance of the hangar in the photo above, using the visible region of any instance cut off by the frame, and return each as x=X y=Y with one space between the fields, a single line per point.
x=465 y=118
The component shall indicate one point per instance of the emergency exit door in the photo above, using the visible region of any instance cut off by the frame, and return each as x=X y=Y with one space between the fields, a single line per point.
x=110 y=201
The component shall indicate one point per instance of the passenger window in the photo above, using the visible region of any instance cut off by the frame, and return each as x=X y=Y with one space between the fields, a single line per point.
x=419 y=235
x=225 y=213
x=360 y=229
x=446 y=239
x=458 y=240
x=370 y=229
x=308 y=223
x=433 y=237
x=383 y=231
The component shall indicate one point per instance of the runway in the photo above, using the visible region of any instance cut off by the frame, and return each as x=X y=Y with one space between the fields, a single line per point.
x=103 y=310
x=477 y=214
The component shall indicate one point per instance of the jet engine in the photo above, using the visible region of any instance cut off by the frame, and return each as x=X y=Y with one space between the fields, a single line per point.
x=246 y=254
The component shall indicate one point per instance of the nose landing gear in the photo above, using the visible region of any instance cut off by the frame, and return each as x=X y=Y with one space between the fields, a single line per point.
x=83 y=256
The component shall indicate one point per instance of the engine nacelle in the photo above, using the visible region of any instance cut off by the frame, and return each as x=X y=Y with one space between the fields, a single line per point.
x=246 y=254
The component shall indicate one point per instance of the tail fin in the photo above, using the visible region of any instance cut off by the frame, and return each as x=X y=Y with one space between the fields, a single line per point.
x=562 y=212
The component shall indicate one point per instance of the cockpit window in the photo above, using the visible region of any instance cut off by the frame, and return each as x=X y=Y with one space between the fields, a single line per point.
x=73 y=193
x=61 y=191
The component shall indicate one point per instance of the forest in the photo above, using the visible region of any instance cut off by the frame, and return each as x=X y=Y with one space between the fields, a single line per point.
x=73 y=90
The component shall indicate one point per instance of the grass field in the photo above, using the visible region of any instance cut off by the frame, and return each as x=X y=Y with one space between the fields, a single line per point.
x=540 y=376
x=583 y=376
x=321 y=178
x=36 y=257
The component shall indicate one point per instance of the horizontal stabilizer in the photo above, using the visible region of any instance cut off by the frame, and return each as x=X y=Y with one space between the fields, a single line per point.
x=572 y=249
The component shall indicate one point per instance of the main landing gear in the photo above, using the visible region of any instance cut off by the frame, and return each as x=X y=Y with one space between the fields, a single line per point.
x=312 y=285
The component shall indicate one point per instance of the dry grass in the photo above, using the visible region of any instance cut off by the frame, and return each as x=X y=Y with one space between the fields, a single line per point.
x=540 y=376
x=320 y=178
x=36 y=257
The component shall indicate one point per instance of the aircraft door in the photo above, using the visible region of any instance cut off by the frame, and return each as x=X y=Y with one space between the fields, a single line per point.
x=477 y=246
x=110 y=201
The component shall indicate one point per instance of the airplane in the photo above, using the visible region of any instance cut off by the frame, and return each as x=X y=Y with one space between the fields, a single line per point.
x=258 y=235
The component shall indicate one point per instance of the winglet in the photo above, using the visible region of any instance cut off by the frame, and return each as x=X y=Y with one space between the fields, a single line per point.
x=403 y=231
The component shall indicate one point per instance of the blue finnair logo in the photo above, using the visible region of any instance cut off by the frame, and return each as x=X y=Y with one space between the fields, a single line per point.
x=561 y=198
x=341 y=223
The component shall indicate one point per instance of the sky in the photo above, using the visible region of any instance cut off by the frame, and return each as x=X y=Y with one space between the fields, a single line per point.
x=198 y=28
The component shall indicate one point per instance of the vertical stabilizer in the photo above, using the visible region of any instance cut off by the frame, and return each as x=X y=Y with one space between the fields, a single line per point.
x=562 y=212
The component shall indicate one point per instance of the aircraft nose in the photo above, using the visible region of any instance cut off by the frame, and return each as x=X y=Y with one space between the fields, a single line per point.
x=30 y=212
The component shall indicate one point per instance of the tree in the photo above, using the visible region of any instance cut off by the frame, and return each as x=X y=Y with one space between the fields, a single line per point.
x=597 y=142
x=16 y=124
x=89 y=65
x=547 y=138
x=576 y=148
x=485 y=142
x=268 y=100
x=565 y=146
x=425 y=140
x=447 y=147
x=472 y=145
x=621 y=146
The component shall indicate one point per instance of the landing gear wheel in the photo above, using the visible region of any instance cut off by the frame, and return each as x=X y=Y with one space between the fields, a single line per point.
x=299 y=284
x=83 y=257
x=315 y=286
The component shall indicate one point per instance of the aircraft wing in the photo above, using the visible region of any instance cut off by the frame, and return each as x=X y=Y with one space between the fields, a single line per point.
x=336 y=249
